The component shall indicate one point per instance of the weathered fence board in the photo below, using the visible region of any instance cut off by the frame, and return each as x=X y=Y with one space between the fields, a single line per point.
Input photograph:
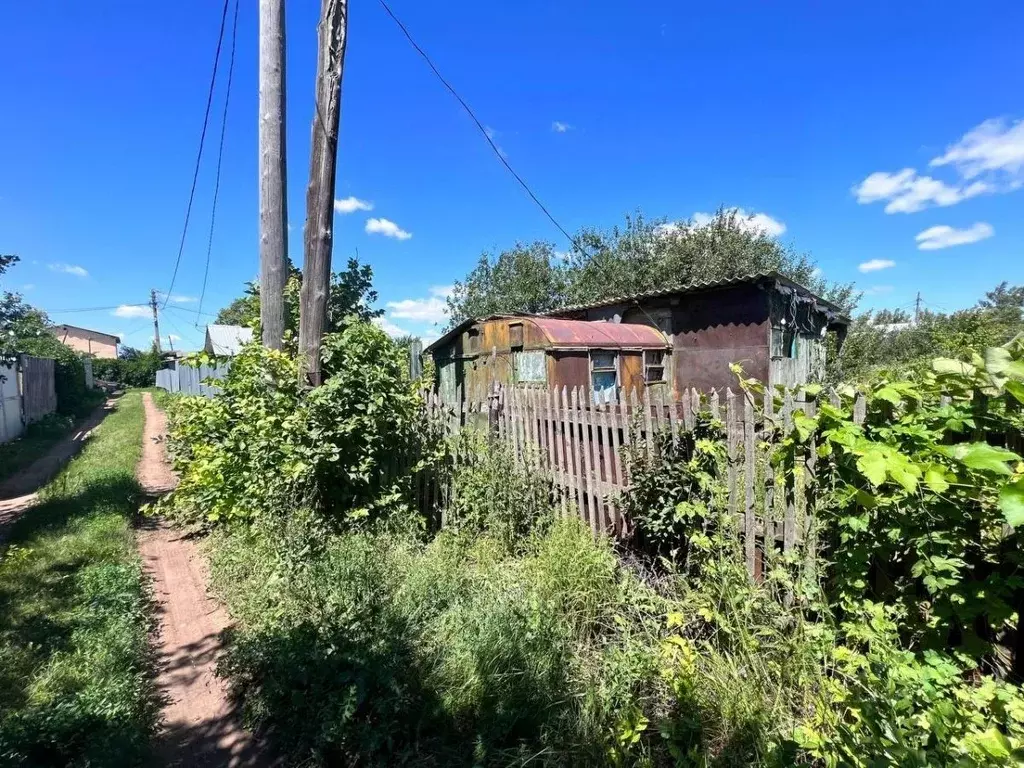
x=11 y=425
x=583 y=446
x=38 y=388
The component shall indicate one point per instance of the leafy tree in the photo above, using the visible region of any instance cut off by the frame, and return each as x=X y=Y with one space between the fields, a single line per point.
x=640 y=256
x=892 y=339
x=352 y=294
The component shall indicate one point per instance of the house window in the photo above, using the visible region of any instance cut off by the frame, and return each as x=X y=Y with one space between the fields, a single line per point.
x=474 y=340
x=784 y=341
x=604 y=376
x=515 y=334
x=530 y=367
x=654 y=365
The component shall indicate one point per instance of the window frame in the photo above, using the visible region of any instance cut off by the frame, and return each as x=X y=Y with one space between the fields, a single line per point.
x=660 y=364
x=516 y=351
x=615 y=368
x=786 y=337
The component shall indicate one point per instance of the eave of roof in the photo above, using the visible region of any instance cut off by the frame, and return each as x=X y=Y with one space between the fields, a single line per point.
x=702 y=285
x=117 y=339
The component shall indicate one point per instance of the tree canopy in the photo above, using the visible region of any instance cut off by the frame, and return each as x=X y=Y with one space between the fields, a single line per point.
x=641 y=256
x=352 y=294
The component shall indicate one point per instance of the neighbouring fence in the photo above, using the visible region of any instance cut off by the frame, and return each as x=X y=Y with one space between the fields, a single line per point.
x=38 y=388
x=27 y=393
x=584 y=449
x=189 y=380
x=11 y=425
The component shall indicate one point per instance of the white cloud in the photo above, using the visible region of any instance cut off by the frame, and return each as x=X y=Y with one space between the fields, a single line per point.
x=173 y=337
x=352 y=204
x=389 y=327
x=874 y=265
x=131 y=310
x=433 y=309
x=560 y=127
x=70 y=269
x=874 y=290
x=987 y=159
x=755 y=223
x=908 y=193
x=28 y=287
x=993 y=146
x=387 y=228
x=177 y=299
x=934 y=238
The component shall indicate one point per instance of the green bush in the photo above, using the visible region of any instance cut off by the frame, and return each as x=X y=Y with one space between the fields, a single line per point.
x=265 y=445
x=139 y=370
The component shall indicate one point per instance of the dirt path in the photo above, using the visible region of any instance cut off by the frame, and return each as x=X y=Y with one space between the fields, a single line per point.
x=18 y=493
x=200 y=727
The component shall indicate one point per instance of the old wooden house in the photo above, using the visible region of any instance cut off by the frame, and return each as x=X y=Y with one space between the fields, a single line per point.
x=526 y=350
x=671 y=340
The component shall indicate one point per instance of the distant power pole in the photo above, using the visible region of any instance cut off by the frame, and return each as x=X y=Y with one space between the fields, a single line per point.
x=273 y=173
x=332 y=36
x=917 y=308
x=156 y=322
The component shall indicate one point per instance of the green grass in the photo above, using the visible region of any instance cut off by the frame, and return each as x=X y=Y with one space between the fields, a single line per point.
x=74 y=654
x=33 y=444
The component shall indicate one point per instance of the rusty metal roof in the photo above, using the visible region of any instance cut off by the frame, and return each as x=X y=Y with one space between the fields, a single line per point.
x=574 y=334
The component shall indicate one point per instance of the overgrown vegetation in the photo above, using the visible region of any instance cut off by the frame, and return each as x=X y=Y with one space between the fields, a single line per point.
x=131 y=368
x=74 y=686
x=365 y=636
x=344 y=449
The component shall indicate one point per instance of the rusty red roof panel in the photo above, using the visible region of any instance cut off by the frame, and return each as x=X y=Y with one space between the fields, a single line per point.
x=583 y=333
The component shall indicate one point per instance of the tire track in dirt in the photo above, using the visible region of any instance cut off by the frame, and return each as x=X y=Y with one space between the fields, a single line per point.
x=200 y=725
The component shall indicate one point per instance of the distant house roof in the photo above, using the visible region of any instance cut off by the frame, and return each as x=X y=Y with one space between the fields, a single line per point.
x=64 y=328
x=705 y=285
x=226 y=339
x=575 y=334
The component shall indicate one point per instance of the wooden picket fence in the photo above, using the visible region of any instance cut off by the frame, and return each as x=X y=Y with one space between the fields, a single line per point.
x=582 y=445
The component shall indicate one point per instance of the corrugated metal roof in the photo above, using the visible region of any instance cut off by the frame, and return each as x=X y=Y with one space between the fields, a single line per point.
x=226 y=339
x=584 y=333
x=693 y=287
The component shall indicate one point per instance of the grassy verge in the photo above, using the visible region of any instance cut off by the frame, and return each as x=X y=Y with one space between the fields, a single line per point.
x=33 y=444
x=74 y=685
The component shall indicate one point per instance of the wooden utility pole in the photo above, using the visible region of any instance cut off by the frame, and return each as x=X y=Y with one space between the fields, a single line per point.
x=273 y=174
x=332 y=36
x=156 y=322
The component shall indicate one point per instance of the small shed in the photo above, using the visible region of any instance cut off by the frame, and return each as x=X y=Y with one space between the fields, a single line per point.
x=525 y=351
x=226 y=340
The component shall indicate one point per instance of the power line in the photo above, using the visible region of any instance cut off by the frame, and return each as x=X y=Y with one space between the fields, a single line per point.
x=193 y=311
x=494 y=147
x=220 y=152
x=483 y=130
x=199 y=155
x=94 y=309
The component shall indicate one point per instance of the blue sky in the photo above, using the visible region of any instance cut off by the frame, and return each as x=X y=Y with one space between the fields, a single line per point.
x=859 y=132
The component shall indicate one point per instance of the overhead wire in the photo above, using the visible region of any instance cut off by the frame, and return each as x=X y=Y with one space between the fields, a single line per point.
x=199 y=154
x=220 y=152
x=482 y=128
x=494 y=147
